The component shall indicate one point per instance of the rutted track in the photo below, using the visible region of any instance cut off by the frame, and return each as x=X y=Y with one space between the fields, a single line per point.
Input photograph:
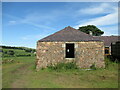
x=22 y=71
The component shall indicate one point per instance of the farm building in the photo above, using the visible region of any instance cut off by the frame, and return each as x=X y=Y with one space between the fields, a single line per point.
x=70 y=45
x=108 y=41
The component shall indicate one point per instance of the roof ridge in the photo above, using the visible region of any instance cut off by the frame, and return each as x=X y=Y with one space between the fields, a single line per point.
x=68 y=34
x=78 y=30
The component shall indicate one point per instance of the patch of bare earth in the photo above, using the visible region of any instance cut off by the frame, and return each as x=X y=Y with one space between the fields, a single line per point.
x=21 y=72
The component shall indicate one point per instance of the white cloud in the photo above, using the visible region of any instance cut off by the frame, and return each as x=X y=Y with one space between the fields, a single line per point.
x=110 y=30
x=26 y=21
x=39 y=17
x=102 y=8
x=34 y=37
x=109 y=19
x=12 y=22
x=107 y=23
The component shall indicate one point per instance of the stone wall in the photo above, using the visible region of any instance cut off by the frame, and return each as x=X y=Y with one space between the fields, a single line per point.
x=86 y=54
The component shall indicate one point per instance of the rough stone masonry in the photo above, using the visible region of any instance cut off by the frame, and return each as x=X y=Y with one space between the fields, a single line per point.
x=51 y=50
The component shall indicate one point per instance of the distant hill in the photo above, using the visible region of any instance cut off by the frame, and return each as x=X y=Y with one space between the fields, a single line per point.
x=8 y=51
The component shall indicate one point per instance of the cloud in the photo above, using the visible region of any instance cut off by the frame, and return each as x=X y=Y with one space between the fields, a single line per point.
x=39 y=17
x=108 y=19
x=34 y=37
x=12 y=22
x=42 y=20
x=110 y=30
x=26 y=21
x=37 y=25
x=108 y=22
x=102 y=8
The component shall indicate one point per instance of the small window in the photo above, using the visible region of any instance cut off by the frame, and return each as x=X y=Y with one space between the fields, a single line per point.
x=106 y=50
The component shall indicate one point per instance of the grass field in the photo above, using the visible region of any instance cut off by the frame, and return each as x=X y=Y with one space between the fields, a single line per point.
x=17 y=52
x=22 y=74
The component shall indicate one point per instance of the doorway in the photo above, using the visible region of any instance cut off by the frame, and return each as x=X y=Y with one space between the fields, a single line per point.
x=70 y=50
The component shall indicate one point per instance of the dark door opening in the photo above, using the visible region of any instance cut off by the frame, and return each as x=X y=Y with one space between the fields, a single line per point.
x=70 y=50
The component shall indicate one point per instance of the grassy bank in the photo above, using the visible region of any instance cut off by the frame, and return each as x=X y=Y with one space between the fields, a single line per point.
x=8 y=51
x=22 y=74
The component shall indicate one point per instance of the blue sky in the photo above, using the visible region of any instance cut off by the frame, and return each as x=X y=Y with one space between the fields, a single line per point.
x=26 y=22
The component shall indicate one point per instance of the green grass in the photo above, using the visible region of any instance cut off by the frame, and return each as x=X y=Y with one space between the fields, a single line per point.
x=22 y=74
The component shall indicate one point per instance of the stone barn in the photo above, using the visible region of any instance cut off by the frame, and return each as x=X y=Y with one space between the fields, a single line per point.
x=70 y=45
x=108 y=41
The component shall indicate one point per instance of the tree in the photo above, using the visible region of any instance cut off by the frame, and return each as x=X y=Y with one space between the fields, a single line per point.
x=95 y=31
x=28 y=50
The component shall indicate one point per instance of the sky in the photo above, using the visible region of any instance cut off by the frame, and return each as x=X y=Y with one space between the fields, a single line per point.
x=24 y=23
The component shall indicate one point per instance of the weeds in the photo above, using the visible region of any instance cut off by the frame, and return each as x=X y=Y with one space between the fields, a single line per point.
x=93 y=67
x=63 y=66
x=8 y=61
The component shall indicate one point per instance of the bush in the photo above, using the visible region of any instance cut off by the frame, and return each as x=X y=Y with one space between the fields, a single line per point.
x=109 y=62
x=8 y=61
x=63 y=66
x=28 y=50
x=11 y=52
x=93 y=66
x=19 y=55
